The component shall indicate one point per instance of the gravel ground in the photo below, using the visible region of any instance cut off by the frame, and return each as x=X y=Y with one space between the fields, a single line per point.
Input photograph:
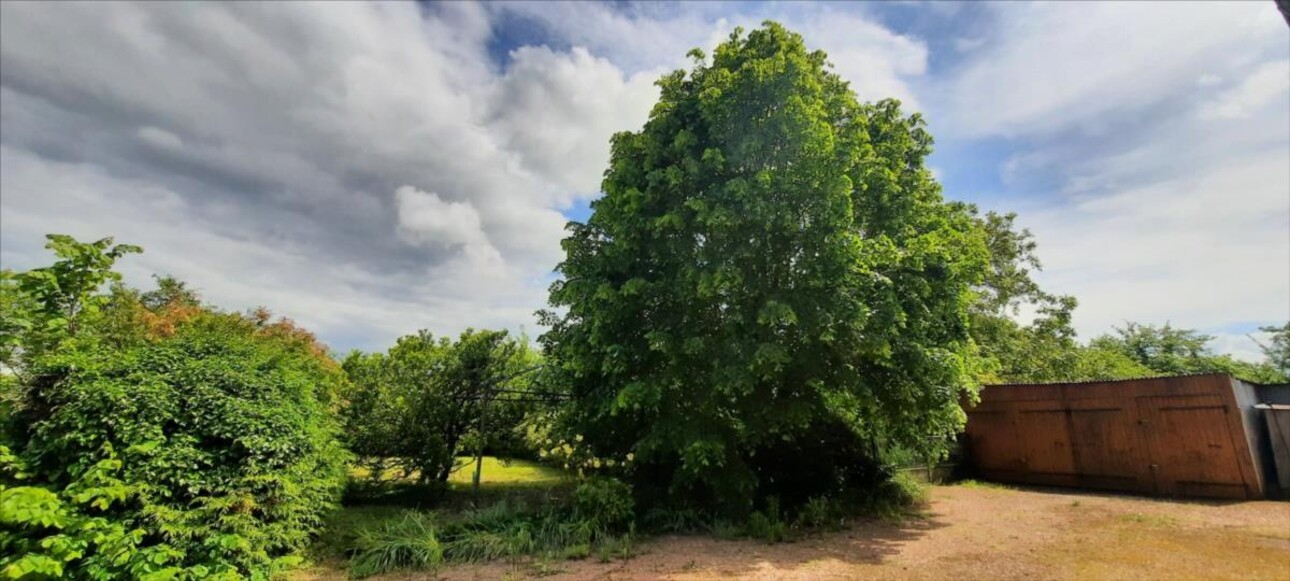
x=972 y=533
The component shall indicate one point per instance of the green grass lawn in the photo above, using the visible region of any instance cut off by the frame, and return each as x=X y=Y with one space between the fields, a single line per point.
x=502 y=473
x=497 y=472
x=515 y=481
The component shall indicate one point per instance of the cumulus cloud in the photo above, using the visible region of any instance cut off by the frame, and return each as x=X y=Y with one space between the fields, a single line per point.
x=1057 y=66
x=879 y=63
x=543 y=112
x=365 y=168
x=374 y=168
x=1202 y=252
x=426 y=219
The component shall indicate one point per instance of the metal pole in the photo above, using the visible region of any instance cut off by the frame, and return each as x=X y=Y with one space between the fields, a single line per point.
x=490 y=385
x=479 y=449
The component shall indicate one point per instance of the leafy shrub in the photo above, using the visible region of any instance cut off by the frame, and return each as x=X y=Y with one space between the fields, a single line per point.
x=48 y=534
x=767 y=525
x=605 y=501
x=228 y=458
x=223 y=428
x=894 y=497
x=818 y=513
x=576 y=552
x=662 y=519
x=616 y=547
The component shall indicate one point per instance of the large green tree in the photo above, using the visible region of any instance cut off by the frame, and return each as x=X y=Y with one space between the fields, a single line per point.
x=772 y=287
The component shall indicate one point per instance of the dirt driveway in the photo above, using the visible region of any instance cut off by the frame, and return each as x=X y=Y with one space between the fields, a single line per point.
x=980 y=533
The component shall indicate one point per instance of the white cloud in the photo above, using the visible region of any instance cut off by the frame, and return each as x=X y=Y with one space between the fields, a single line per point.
x=1260 y=88
x=1240 y=345
x=1058 y=66
x=556 y=111
x=369 y=169
x=968 y=44
x=281 y=138
x=424 y=218
x=1201 y=252
x=878 y=62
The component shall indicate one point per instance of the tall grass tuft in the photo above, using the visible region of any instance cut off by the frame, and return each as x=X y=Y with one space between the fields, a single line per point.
x=409 y=542
x=504 y=531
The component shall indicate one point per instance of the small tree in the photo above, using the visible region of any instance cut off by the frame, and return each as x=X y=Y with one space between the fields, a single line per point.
x=422 y=402
x=1277 y=349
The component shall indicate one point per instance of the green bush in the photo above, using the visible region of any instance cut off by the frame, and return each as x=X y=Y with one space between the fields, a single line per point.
x=223 y=429
x=818 y=513
x=421 y=402
x=48 y=534
x=213 y=432
x=605 y=501
x=894 y=497
x=767 y=525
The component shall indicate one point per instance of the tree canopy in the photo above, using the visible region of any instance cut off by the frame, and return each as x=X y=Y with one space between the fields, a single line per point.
x=422 y=401
x=1169 y=350
x=772 y=269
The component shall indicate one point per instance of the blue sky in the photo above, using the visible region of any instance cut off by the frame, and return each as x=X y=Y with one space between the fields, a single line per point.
x=372 y=169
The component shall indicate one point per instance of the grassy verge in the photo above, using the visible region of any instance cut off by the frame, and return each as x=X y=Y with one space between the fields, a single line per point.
x=529 y=513
x=398 y=523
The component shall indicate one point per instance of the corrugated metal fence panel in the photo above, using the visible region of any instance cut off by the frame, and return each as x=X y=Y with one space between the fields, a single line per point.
x=1179 y=436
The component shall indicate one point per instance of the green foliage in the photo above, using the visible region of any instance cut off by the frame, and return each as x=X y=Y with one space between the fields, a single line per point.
x=42 y=307
x=819 y=513
x=671 y=519
x=1277 y=350
x=408 y=542
x=421 y=402
x=771 y=261
x=1098 y=363
x=228 y=457
x=767 y=525
x=419 y=541
x=72 y=533
x=1165 y=349
x=1168 y=350
x=605 y=501
x=66 y=291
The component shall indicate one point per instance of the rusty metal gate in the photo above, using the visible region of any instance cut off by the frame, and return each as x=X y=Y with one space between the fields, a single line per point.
x=1175 y=436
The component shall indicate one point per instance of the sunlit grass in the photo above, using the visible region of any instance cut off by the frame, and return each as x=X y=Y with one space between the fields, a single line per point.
x=495 y=472
x=979 y=485
x=498 y=471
